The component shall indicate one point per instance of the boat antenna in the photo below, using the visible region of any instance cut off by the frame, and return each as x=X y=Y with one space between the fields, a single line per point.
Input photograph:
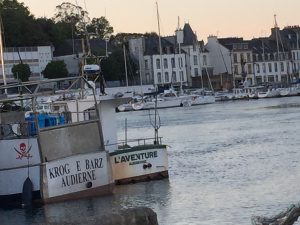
x=156 y=124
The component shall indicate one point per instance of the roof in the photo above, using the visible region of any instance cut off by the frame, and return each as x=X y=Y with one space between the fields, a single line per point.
x=189 y=36
x=66 y=48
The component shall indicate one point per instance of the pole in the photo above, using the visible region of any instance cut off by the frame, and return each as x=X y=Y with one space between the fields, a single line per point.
x=125 y=132
x=180 y=68
x=160 y=48
x=2 y=58
x=125 y=63
x=140 y=70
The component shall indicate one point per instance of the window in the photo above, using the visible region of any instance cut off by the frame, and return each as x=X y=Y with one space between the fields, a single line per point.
x=248 y=57
x=195 y=60
x=147 y=78
x=275 y=67
x=174 y=80
x=173 y=62
x=264 y=67
x=282 y=66
x=196 y=71
x=180 y=62
x=257 y=68
x=166 y=77
x=165 y=63
x=157 y=63
x=204 y=60
x=181 y=76
x=236 y=69
x=249 y=68
x=146 y=64
x=158 y=77
x=235 y=58
x=270 y=67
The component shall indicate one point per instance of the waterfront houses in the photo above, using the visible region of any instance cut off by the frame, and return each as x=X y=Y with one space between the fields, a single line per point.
x=181 y=60
x=221 y=63
x=177 y=62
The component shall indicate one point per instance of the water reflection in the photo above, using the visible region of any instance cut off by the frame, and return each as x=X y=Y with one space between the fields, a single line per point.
x=228 y=161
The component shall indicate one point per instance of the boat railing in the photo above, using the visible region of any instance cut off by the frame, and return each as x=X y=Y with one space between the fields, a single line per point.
x=17 y=130
x=125 y=144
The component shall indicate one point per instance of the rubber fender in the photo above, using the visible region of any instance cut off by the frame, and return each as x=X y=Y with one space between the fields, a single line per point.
x=27 y=192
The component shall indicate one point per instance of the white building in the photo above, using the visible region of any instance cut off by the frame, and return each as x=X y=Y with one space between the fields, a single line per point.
x=36 y=57
x=180 y=60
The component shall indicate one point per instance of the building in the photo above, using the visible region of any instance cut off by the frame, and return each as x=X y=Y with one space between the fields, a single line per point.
x=37 y=57
x=175 y=61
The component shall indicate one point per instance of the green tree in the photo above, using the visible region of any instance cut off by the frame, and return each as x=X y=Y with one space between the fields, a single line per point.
x=56 y=69
x=20 y=28
x=114 y=70
x=74 y=16
x=21 y=72
x=100 y=28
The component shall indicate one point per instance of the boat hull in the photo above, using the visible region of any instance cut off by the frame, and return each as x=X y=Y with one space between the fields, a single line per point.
x=141 y=163
x=19 y=160
x=78 y=176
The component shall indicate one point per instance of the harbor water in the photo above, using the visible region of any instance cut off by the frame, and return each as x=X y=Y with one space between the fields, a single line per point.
x=228 y=161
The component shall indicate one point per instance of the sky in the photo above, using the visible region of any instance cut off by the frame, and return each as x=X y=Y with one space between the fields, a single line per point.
x=222 y=18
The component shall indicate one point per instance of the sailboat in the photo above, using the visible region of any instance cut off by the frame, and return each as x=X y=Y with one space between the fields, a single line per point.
x=138 y=159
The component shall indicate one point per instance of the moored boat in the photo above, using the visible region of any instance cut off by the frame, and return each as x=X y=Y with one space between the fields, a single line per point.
x=131 y=160
x=46 y=160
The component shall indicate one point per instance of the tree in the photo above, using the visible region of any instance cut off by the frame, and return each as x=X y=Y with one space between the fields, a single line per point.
x=19 y=25
x=73 y=15
x=56 y=69
x=122 y=38
x=113 y=67
x=100 y=28
x=21 y=72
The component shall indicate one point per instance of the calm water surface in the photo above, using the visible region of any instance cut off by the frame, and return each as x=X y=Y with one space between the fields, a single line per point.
x=228 y=161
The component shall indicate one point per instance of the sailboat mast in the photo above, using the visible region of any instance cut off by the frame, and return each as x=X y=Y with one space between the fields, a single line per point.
x=276 y=32
x=125 y=63
x=140 y=70
x=159 y=41
x=2 y=57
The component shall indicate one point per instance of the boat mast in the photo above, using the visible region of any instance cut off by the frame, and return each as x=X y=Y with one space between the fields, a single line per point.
x=140 y=70
x=159 y=41
x=277 y=42
x=2 y=57
x=125 y=63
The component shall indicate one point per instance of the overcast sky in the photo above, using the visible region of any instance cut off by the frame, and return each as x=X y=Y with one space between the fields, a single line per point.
x=224 y=18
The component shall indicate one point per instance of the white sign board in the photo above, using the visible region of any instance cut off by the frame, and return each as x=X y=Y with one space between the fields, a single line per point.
x=77 y=173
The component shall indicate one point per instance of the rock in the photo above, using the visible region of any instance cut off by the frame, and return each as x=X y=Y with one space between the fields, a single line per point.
x=133 y=216
x=287 y=217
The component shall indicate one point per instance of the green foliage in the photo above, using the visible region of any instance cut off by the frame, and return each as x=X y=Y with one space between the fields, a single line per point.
x=21 y=71
x=55 y=69
x=113 y=67
x=100 y=28
x=74 y=16
x=20 y=28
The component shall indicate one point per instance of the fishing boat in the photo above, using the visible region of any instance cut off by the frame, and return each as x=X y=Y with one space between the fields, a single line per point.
x=48 y=159
x=131 y=160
